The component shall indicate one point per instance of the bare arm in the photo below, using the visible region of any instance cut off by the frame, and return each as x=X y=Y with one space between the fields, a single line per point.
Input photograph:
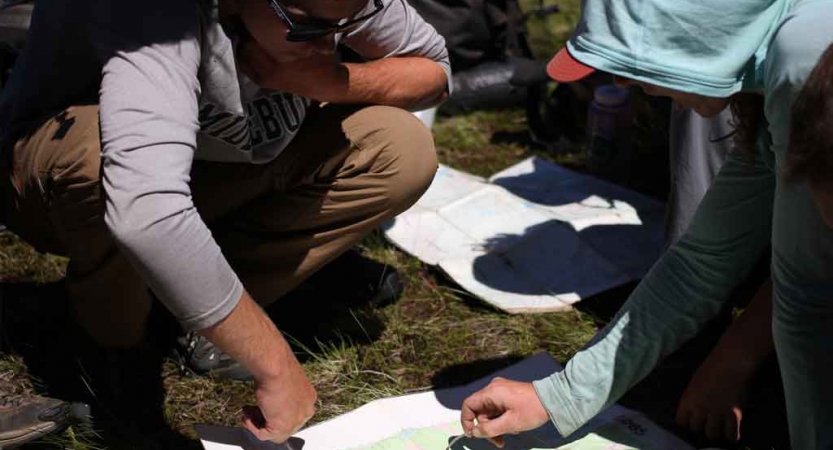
x=407 y=66
x=713 y=401
x=749 y=339
x=408 y=82
x=285 y=396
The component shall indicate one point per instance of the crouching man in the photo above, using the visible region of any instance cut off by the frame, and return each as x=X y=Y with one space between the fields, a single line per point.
x=215 y=155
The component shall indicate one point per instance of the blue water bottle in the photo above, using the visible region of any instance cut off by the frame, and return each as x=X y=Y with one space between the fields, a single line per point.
x=609 y=123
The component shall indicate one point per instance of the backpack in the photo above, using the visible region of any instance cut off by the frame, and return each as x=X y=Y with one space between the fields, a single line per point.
x=477 y=31
x=493 y=65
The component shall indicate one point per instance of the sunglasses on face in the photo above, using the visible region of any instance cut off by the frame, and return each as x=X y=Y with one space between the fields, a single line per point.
x=312 y=29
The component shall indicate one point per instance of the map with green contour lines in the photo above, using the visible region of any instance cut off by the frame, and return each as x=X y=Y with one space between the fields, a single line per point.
x=610 y=437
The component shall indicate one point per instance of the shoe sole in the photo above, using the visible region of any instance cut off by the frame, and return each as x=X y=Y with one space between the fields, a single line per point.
x=14 y=439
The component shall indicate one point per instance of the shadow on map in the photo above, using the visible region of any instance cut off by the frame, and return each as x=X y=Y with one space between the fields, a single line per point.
x=471 y=377
x=551 y=254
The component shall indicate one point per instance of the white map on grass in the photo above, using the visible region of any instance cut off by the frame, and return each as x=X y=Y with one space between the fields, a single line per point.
x=419 y=439
x=617 y=429
x=532 y=238
x=430 y=421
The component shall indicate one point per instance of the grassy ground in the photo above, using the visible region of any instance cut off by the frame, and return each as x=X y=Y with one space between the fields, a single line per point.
x=435 y=335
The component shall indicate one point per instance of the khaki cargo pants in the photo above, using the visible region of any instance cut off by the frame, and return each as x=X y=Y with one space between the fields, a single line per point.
x=347 y=170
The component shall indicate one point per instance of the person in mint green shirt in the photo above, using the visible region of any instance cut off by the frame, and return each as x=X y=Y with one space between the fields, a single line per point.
x=705 y=55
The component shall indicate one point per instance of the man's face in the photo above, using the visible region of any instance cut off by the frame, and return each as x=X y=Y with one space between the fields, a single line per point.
x=270 y=31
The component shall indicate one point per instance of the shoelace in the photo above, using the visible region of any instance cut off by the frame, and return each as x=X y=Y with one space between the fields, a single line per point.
x=9 y=400
x=198 y=346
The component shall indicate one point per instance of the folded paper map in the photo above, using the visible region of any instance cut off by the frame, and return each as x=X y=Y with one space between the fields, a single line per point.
x=533 y=238
x=431 y=421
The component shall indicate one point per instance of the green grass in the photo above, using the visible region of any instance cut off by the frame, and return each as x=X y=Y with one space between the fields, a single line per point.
x=547 y=35
x=18 y=262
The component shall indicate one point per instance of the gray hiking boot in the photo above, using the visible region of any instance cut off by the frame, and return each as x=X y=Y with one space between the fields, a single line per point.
x=199 y=355
x=26 y=418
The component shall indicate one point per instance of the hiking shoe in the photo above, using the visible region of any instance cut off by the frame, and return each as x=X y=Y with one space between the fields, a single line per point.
x=389 y=287
x=197 y=354
x=351 y=280
x=26 y=418
x=358 y=280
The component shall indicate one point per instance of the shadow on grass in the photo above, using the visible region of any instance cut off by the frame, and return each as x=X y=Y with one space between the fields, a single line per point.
x=468 y=299
x=462 y=374
x=338 y=304
x=313 y=328
x=604 y=305
x=522 y=138
x=123 y=388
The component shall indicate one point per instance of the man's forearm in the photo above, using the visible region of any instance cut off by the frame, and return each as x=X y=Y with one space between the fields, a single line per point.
x=405 y=82
x=285 y=397
x=249 y=336
x=408 y=82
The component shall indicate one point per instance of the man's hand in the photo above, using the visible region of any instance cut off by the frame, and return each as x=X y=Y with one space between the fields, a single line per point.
x=281 y=411
x=503 y=407
x=713 y=401
x=285 y=397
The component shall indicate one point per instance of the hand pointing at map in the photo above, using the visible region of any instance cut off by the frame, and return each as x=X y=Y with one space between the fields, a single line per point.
x=503 y=407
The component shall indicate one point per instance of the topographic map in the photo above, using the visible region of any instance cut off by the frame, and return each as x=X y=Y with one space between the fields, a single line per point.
x=430 y=421
x=622 y=433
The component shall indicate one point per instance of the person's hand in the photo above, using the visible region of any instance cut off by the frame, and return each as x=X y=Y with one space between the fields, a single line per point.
x=285 y=397
x=712 y=403
x=318 y=76
x=503 y=407
x=284 y=405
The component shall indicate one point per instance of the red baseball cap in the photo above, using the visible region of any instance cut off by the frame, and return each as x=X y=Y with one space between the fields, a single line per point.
x=565 y=69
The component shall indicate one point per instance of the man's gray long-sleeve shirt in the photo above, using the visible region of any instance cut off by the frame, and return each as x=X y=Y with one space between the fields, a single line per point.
x=164 y=75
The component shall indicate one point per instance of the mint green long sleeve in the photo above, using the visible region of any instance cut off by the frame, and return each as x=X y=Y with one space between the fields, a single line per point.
x=747 y=208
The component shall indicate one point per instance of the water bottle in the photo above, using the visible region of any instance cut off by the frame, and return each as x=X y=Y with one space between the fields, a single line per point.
x=609 y=123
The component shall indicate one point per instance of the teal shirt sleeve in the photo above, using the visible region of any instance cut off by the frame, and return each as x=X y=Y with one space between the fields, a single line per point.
x=688 y=286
